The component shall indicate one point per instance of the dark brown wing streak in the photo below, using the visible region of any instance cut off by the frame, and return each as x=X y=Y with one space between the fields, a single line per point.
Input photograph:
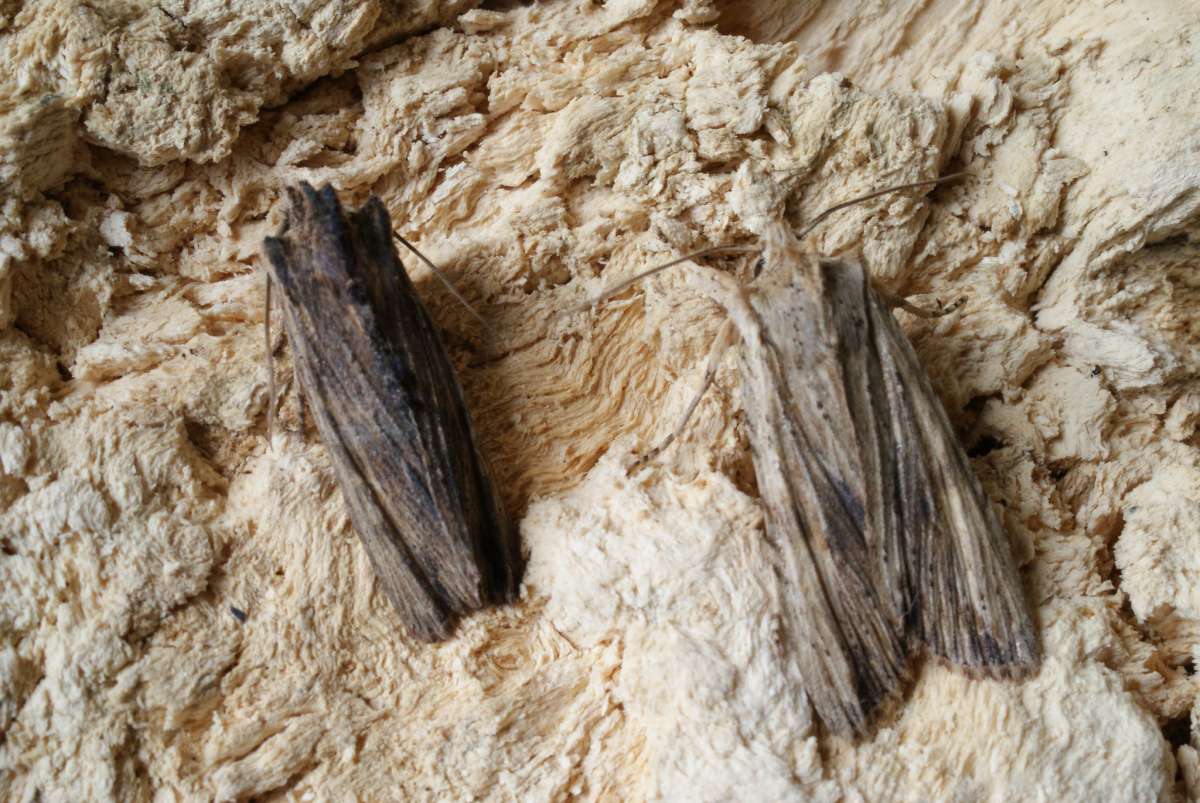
x=813 y=445
x=391 y=412
x=967 y=604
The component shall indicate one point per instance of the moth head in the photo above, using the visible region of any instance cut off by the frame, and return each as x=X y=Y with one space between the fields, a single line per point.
x=784 y=256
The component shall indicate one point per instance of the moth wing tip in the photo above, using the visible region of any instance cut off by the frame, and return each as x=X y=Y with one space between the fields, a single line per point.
x=432 y=631
x=298 y=196
x=325 y=204
x=1019 y=665
x=276 y=251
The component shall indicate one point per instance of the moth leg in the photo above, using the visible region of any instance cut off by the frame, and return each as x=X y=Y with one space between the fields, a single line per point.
x=894 y=301
x=723 y=340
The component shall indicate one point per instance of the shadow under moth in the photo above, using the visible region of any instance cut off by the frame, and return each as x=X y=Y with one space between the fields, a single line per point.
x=882 y=537
x=391 y=412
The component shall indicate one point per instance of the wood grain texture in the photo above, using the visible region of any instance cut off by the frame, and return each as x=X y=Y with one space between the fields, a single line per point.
x=391 y=412
x=885 y=541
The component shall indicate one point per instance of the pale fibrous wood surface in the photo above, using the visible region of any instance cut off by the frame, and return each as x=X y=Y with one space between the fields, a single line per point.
x=540 y=153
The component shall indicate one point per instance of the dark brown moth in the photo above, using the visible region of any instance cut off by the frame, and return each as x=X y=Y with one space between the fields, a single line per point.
x=391 y=412
x=883 y=538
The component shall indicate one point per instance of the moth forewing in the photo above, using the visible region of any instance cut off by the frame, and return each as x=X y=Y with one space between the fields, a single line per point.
x=391 y=412
x=964 y=553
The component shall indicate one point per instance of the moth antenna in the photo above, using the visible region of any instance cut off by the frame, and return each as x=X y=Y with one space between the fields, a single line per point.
x=270 y=367
x=444 y=280
x=844 y=204
x=720 y=343
x=621 y=286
